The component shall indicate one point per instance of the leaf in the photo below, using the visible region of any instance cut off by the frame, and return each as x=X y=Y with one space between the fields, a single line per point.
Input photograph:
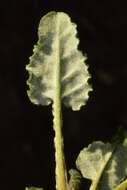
x=92 y=161
x=33 y=188
x=58 y=64
x=75 y=180
x=104 y=164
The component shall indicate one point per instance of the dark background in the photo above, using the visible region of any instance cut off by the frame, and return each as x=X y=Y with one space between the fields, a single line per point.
x=26 y=134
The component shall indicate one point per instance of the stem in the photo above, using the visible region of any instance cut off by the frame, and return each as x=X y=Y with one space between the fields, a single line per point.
x=61 y=175
x=61 y=179
x=122 y=185
x=94 y=184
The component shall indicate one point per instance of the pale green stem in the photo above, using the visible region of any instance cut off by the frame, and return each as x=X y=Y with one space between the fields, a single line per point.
x=94 y=184
x=121 y=186
x=61 y=176
x=61 y=180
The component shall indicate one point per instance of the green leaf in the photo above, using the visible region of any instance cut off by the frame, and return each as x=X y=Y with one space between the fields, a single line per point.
x=104 y=164
x=75 y=180
x=58 y=64
x=33 y=188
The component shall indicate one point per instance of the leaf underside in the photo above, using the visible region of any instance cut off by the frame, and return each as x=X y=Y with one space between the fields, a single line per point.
x=57 y=45
x=104 y=164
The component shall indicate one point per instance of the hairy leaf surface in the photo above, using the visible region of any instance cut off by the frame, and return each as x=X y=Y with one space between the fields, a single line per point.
x=104 y=164
x=57 y=63
x=75 y=180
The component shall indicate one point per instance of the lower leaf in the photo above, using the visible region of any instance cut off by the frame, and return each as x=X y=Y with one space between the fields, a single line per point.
x=104 y=164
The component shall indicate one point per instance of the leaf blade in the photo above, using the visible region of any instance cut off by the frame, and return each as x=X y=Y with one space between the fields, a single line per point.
x=89 y=162
x=75 y=180
x=55 y=54
x=92 y=161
